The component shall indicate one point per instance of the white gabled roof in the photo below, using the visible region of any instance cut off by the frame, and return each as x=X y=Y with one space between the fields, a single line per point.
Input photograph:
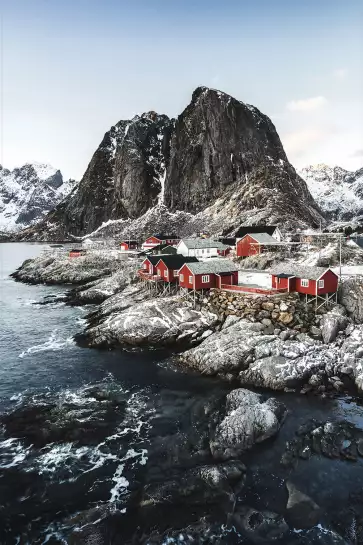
x=212 y=266
x=201 y=243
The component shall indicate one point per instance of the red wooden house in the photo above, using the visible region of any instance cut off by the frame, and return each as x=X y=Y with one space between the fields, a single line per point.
x=254 y=244
x=127 y=245
x=149 y=264
x=208 y=274
x=314 y=281
x=154 y=240
x=77 y=252
x=168 y=266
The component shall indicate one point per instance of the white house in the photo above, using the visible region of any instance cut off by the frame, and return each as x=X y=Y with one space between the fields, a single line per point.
x=201 y=247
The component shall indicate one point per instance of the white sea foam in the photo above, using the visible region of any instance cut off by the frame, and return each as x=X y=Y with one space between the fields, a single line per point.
x=53 y=343
x=12 y=453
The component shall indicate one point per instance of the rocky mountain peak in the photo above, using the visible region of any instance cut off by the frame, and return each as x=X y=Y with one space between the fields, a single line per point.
x=221 y=161
x=338 y=192
x=27 y=193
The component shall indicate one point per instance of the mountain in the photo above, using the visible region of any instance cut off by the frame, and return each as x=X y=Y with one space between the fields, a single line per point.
x=218 y=165
x=28 y=193
x=338 y=192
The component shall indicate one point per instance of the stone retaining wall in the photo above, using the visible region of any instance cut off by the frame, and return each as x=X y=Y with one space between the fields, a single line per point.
x=283 y=311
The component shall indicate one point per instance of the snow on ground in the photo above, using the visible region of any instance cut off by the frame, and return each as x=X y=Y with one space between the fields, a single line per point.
x=253 y=277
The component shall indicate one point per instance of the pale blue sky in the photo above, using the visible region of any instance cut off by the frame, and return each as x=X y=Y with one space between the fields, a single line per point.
x=73 y=68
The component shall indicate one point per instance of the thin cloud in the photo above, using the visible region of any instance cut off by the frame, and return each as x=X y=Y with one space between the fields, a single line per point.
x=340 y=73
x=306 y=105
x=299 y=143
x=357 y=153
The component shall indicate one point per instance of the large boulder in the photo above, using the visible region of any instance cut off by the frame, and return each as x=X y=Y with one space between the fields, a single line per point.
x=301 y=510
x=157 y=322
x=246 y=420
x=228 y=350
x=200 y=485
x=351 y=296
x=332 y=322
x=259 y=526
x=351 y=355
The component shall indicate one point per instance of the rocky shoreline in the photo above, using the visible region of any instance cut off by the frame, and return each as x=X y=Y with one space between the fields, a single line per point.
x=321 y=355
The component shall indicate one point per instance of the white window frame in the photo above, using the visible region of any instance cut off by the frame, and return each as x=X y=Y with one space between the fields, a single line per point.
x=144 y=265
x=181 y=277
x=190 y=279
x=166 y=273
x=205 y=278
x=150 y=269
x=158 y=272
x=304 y=282
x=320 y=284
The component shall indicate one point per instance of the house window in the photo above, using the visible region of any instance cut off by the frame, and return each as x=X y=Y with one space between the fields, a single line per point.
x=181 y=278
x=176 y=273
x=205 y=278
x=321 y=284
x=304 y=283
x=279 y=280
x=159 y=272
x=166 y=274
x=144 y=266
x=150 y=269
x=190 y=280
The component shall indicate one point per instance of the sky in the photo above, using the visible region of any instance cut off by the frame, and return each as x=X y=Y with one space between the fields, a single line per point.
x=73 y=68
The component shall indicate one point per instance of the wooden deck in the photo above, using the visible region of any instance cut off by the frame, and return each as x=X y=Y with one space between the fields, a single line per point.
x=252 y=289
x=147 y=276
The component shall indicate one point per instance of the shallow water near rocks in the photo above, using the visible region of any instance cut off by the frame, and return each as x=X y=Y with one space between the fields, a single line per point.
x=98 y=457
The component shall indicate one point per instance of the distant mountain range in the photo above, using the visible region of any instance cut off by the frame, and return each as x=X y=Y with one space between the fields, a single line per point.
x=28 y=193
x=338 y=192
x=218 y=165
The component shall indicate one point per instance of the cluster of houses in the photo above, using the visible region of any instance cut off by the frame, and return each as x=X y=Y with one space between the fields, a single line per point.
x=200 y=263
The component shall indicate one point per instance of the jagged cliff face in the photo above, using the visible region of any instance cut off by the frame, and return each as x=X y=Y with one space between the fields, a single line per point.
x=223 y=149
x=222 y=161
x=28 y=193
x=337 y=191
x=124 y=177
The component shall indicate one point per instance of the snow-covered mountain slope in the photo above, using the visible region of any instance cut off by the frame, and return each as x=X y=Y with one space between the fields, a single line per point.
x=28 y=193
x=338 y=192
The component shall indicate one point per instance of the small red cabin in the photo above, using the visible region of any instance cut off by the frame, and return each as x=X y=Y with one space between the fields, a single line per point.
x=254 y=244
x=208 y=274
x=307 y=280
x=127 y=245
x=149 y=264
x=155 y=240
x=77 y=252
x=168 y=266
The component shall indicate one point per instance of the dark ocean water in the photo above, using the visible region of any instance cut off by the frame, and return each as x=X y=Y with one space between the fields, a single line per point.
x=42 y=488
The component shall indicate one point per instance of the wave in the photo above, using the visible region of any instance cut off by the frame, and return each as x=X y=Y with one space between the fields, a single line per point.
x=53 y=343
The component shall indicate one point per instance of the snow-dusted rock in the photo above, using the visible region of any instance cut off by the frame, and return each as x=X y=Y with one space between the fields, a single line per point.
x=227 y=350
x=157 y=322
x=247 y=420
x=99 y=290
x=351 y=356
x=332 y=322
x=58 y=268
x=28 y=193
x=301 y=510
x=338 y=192
x=351 y=296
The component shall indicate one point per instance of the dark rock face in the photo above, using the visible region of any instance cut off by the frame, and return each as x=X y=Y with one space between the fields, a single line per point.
x=220 y=154
x=123 y=178
x=220 y=144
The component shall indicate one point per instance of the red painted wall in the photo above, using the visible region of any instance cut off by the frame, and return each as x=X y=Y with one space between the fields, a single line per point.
x=150 y=269
x=244 y=247
x=152 y=241
x=330 y=283
x=126 y=246
x=283 y=284
x=231 y=279
x=162 y=267
x=196 y=280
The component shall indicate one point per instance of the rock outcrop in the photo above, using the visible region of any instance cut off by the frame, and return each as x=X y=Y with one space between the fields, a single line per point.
x=157 y=322
x=246 y=420
x=221 y=159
